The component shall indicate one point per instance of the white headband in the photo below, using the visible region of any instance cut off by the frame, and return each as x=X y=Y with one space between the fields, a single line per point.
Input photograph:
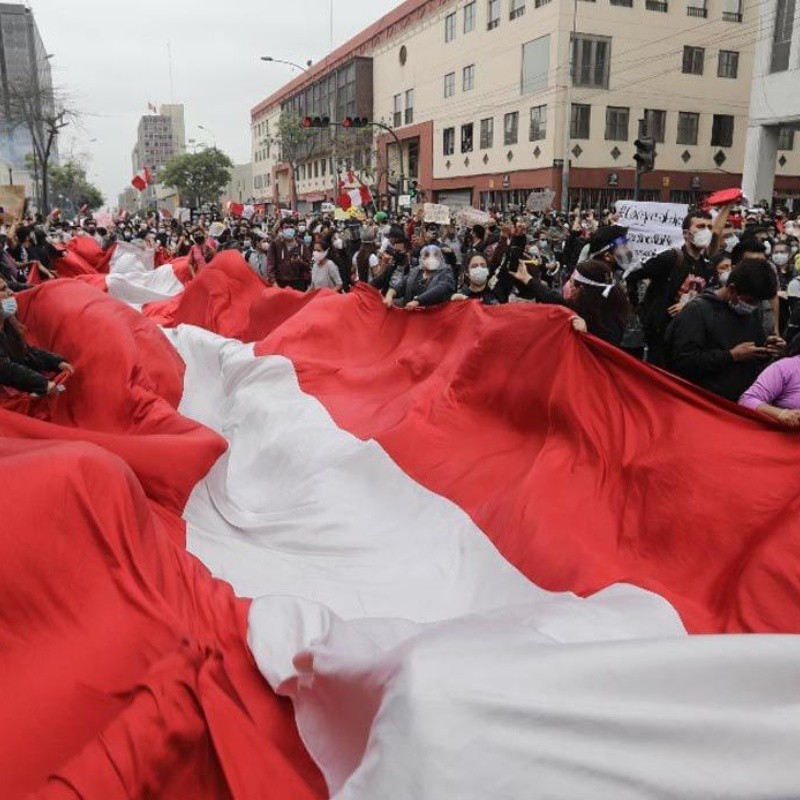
x=606 y=287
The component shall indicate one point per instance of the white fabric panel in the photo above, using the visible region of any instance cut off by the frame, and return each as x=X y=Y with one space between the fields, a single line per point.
x=145 y=286
x=422 y=665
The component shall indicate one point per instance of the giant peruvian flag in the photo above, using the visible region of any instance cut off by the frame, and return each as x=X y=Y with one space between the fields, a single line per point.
x=302 y=546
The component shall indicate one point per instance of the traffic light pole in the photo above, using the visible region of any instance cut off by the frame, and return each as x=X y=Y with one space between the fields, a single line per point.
x=402 y=182
x=638 y=184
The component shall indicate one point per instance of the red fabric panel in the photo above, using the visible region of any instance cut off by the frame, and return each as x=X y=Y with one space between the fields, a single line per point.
x=87 y=249
x=124 y=670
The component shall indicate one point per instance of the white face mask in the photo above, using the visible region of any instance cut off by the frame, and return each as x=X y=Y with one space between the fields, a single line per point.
x=431 y=264
x=479 y=275
x=723 y=276
x=780 y=259
x=319 y=256
x=702 y=238
x=731 y=242
x=767 y=247
x=338 y=244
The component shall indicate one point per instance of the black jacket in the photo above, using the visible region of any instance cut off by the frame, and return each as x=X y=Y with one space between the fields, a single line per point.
x=21 y=366
x=439 y=287
x=699 y=341
x=667 y=272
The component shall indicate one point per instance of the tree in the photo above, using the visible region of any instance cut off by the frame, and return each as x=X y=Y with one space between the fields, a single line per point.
x=69 y=181
x=295 y=144
x=43 y=113
x=199 y=178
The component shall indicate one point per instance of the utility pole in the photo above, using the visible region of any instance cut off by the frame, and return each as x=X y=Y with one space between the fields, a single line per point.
x=568 y=112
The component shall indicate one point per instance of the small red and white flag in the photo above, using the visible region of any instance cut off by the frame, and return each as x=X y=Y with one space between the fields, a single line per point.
x=353 y=192
x=142 y=179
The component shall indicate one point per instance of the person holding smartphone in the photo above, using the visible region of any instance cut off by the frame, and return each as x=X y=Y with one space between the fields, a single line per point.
x=22 y=366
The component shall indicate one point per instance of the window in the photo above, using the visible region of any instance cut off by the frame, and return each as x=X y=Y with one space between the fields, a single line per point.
x=626 y=3
x=697 y=8
x=469 y=16
x=316 y=169
x=538 y=129
x=656 y=5
x=731 y=10
x=449 y=84
x=413 y=159
x=517 y=9
x=469 y=77
x=487 y=133
x=494 y=14
x=450 y=27
x=655 y=123
x=398 y=110
x=592 y=60
x=728 y=64
x=580 y=120
x=511 y=128
x=409 y=117
x=535 y=65
x=466 y=138
x=722 y=131
x=688 y=123
x=782 y=36
x=617 y=123
x=693 y=60
x=448 y=141
x=323 y=165
x=785 y=138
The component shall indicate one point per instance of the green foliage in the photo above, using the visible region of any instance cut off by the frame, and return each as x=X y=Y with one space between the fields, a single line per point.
x=69 y=181
x=199 y=178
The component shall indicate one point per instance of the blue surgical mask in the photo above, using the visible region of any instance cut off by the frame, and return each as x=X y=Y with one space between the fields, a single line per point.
x=288 y=233
x=307 y=239
x=743 y=309
x=9 y=306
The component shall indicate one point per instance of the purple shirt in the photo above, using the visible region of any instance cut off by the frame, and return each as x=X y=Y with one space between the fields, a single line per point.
x=778 y=385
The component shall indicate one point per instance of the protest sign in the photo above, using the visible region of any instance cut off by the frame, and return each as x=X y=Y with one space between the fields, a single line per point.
x=436 y=213
x=467 y=217
x=652 y=227
x=540 y=200
x=12 y=204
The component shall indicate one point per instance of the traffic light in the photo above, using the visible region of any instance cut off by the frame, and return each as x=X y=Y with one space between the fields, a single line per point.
x=355 y=122
x=413 y=189
x=645 y=157
x=315 y=122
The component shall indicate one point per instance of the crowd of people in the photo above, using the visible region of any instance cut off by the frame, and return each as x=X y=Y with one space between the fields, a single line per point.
x=717 y=310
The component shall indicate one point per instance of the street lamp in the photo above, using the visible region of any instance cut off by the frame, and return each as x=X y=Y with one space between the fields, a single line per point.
x=203 y=128
x=290 y=63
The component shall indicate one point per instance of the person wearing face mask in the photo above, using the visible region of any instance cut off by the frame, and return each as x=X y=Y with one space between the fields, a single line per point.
x=339 y=255
x=722 y=264
x=429 y=284
x=200 y=253
x=718 y=341
x=672 y=274
x=776 y=392
x=324 y=273
x=23 y=367
x=289 y=259
x=257 y=257
x=475 y=283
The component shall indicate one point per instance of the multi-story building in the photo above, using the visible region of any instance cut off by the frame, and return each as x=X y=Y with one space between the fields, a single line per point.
x=24 y=67
x=240 y=186
x=490 y=97
x=160 y=137
x=774 y=104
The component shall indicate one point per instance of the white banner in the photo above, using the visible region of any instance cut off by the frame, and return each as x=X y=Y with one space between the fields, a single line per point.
x=437 y=213
x=540 y=200
x=652 y=227
x=467 y=217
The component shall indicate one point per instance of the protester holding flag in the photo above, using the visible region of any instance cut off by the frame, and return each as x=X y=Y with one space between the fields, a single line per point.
x=324 y=272
x=22 y=366
x=475 y=285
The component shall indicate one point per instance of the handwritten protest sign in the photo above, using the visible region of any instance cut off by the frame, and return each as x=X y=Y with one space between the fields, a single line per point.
x=436 y=213
x=540 y=200
x=652 y=227
x=12 y=204
x=468 y=216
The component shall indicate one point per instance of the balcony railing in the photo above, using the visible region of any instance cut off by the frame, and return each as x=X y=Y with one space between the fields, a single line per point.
x=517 y=12
x=656 y=5
x=731 y=16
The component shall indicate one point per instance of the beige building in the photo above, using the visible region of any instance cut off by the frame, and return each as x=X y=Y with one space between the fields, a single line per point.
x=479 y=93
x=240 y=186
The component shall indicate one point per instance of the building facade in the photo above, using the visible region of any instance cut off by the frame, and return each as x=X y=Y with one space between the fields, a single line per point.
x=24 y=66
x=774 y=104
x=240 y=186
x=489 y=98
x=159 y=138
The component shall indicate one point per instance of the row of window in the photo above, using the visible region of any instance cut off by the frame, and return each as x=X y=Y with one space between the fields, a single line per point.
x=263 y=154
x=694 y=59
x=731 y=12
x=467 y=81
x=261 y=128
x=537 y=131
x=617 y=128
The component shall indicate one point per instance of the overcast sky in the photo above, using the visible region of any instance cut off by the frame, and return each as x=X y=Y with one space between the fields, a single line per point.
x=112 y=56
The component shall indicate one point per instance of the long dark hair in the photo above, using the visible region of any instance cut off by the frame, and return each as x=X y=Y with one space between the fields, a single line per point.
x=603 y=314
x=366 y=250
x=15 y=333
